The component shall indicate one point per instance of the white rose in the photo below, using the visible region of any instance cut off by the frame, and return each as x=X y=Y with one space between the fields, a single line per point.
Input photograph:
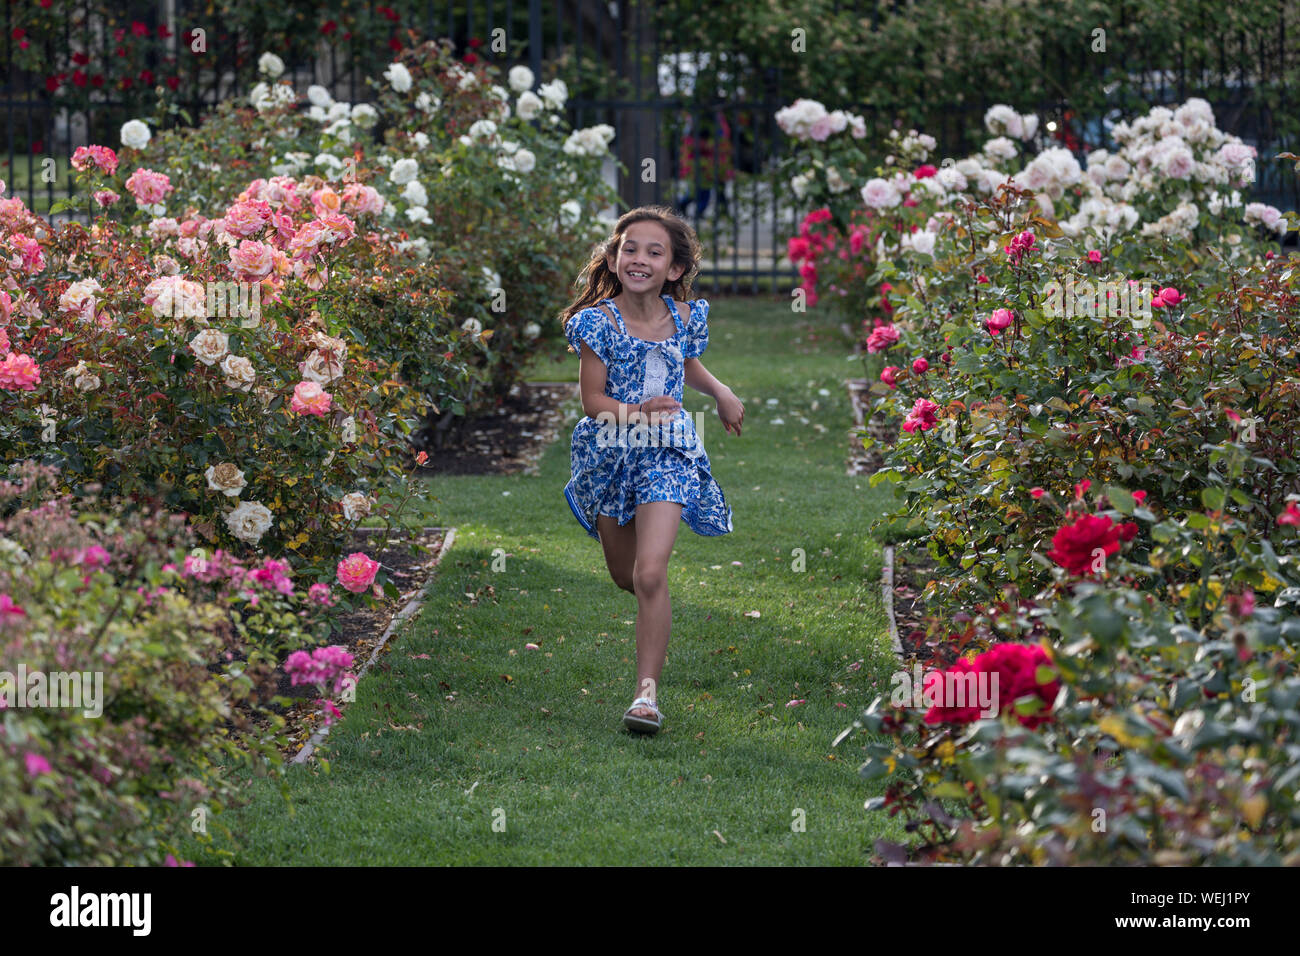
x=210 y=346
x=365 y=115
x=318 y=96
x=921 y=241
x=249 y=521
x=239 y=372
x=520 y=78
x=420 y=138
x=415 y=194
x=321 y=367
x=225 y=478
x=349 y=430
x=403 y=171
x=880 y=193
x=270 y=64
x=525 y=161
x=472 y=326
x=554 y=94
x=426 y=102
x=418 y=214
x=355 y=505
x=399 y=76
x=529 y=105
x=482 y=129
x=135 y=134
x=570 y=212
x=532 y=330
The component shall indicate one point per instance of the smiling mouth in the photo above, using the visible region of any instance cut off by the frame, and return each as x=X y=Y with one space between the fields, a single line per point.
x=638 y=275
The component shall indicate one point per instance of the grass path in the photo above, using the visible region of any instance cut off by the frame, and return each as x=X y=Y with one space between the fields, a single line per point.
x=459 y=727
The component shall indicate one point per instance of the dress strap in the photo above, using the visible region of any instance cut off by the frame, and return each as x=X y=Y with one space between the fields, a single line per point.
x=617 y=315
x=677 y=319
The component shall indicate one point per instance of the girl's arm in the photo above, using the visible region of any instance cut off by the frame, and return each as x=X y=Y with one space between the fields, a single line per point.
x=592 y=376
x=731 y=410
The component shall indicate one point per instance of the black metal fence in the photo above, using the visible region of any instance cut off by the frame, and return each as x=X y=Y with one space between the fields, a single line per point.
x=75 y=71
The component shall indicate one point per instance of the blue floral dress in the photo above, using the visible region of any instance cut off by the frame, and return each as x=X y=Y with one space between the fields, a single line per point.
x=615 y=468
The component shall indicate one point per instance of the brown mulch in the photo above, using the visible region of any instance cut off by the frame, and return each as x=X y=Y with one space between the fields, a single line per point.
x=913 y=568
x=507 y=440
x=866 y=461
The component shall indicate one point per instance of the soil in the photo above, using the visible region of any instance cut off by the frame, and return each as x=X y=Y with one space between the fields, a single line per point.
x=507 y=440
x=866 y=461
x=912 y=569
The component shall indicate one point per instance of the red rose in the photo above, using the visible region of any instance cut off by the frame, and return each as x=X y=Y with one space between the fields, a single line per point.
x=1075 y=546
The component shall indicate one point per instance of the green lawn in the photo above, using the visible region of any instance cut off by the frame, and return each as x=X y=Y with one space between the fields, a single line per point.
x=544 y=752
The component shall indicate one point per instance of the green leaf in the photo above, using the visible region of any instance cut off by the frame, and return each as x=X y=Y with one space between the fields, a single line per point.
x=1212 y=498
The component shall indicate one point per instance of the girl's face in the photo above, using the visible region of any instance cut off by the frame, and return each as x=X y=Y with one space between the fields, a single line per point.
x=645 y=258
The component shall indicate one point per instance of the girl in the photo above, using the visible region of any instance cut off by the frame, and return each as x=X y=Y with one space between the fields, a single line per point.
x=642 y=343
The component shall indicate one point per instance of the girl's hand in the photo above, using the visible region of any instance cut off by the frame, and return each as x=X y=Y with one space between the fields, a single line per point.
x=664 y=405
x=731 y=410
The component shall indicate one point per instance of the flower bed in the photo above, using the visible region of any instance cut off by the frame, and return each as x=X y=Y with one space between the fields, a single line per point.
x=240 y=342
x=1097 y=451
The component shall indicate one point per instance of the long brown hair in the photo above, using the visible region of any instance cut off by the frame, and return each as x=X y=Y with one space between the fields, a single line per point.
x=597 y=282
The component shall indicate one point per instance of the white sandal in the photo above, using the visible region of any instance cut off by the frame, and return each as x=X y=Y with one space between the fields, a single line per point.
x=643 y=724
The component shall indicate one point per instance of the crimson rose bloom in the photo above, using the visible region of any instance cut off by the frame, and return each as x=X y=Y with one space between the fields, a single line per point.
x=921 y=416
x=1073 y=545
x=1017 y=668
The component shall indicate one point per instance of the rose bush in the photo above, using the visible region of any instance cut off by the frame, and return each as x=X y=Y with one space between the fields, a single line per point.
x=1097 y=454
x=186 y=646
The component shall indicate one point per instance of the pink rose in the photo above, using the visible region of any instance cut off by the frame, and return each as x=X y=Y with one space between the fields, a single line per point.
x=999 y=320
x=148 y=187
x=890 y=375
x=19 y=372
x=881 y=338
x=247 y=218
x=357 y=572
x=310 y=399
x=105 y=197
x=251 y=259
x=920 y=366
x=101 y=157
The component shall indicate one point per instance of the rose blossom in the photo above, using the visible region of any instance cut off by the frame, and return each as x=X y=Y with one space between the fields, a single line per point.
x=210 y=346
x=247 y=218
x=320 y=367
x=999 y=320
x=356 y=505
x=881 y=338
x=19 y=372
x=225 y=478
x=1074 y=545
x=148 y=187
x=101 y=157
x=357 y=572
x=890 y=375
x=251 y=259
x=922 y=416
x=239 y=372
x=310 y=399
x=249 y=521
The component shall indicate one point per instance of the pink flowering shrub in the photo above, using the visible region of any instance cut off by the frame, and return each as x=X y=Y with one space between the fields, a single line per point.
x=178 y=657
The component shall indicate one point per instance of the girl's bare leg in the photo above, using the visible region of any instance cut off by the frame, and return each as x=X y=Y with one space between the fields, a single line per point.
x=657 y=523
x=620 y=549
